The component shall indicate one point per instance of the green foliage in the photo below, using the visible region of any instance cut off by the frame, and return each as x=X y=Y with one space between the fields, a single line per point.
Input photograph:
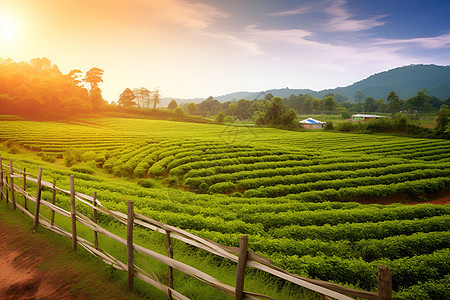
x=147 y=183
x=220 y=117
x=276 y=114
x=72 y=156
x=329 y=126
x=82 y=169
x=172 y=105
x=48 y=157
x=39 y=90
x=179 y=112
x=191 y=108
x=288 y=190
x=346 y=127
x=89 y=156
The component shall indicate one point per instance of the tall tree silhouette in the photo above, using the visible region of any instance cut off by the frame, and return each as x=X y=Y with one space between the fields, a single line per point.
x=156 y=98
x=93 y=77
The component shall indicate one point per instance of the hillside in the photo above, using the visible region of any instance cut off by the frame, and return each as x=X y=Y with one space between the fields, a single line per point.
x=405 y=81
x=297 y=195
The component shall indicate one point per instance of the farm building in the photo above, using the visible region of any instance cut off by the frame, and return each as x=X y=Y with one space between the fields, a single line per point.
x=364 y=118
x=311 y=123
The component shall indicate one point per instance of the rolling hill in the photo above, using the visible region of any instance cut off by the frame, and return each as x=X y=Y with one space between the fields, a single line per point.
x=405 y=81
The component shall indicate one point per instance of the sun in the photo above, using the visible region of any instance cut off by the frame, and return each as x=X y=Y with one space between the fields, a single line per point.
x=8 y=28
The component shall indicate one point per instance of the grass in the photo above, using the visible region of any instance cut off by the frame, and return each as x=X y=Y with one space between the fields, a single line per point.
x=87 y=277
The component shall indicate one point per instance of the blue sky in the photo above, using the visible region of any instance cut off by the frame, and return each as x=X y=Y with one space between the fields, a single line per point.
x=213 y=47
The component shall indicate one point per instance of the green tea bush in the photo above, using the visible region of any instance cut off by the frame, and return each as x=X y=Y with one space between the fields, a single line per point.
x=147 y=183
x=88 y=156
x=49 y=157
x=82 y=169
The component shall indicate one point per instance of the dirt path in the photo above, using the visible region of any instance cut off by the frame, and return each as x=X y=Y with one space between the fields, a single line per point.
x=33 y=266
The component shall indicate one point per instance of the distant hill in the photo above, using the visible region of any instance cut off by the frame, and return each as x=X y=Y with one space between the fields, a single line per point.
x=405 y=81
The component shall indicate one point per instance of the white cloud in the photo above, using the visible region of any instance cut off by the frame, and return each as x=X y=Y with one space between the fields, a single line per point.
x=437 y=42
x=342 y=19
x=297 y=11
x=272 y=36
x=193 y=15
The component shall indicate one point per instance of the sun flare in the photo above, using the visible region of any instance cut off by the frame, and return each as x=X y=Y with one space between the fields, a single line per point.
x=8 y=28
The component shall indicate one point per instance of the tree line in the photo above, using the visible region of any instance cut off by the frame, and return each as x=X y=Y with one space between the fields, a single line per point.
x=39 y=89
x=330 y=104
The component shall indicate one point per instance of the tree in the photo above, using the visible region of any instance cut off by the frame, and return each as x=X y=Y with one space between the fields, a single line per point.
x=172 y=105
x=192 y=108
x=156 y=98
x=315 y=105
x=179 y=112
x=329 y=104
x=420 y=102
x=93 y=77
x=220 y=117
x=277 y=114
x=143 y=97
x=344 y=113
x=268 y=97
x=41 y=63
x=392 y=96
x=380 y=105
x=394 y=103
x=75 y=76
x=443 y=123
x=126 y=98
x=369 y=105
x=359 y=96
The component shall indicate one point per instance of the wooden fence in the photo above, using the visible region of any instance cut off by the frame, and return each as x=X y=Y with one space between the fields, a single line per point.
x=244 y=258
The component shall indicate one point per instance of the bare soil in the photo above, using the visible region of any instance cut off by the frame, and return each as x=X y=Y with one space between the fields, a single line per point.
x=441 y=198
x=33 y=266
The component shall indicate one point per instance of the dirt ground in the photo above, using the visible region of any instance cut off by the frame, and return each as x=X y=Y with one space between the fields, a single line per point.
x=33 y=266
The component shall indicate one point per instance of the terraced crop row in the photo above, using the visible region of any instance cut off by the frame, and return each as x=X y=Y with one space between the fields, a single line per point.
x=289 y=191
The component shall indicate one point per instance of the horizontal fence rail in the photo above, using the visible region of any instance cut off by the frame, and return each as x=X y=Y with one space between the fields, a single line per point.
x=241 y=256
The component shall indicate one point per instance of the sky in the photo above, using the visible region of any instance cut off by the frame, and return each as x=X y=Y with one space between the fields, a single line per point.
x=201 y=48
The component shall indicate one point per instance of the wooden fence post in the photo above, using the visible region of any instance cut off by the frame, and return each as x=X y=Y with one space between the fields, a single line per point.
x=7 y=189
x=38 y=199
x=95 y=220
x=72 y=213
x=242 y=263
x=11 y=173
x=1 y=179
x=52 y=218
x=130 y=263
x=384 y=283
x=169 y=254
x=25 y=188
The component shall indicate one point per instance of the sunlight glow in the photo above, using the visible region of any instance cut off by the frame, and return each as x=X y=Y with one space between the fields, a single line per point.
x=8 y=28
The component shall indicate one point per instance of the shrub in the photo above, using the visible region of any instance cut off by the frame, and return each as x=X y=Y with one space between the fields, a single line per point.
x=329 y=126
x=72 y=156
x=203 y=187
x=89 y=155
x=222 y=187
x=179 y=112
x=48 y=157
x=13 y=150
x=147 y=183
x=346 y=127
x=220 y=117
x=82 y=169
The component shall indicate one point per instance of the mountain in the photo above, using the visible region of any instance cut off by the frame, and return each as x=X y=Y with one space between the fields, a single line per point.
x=405 y=81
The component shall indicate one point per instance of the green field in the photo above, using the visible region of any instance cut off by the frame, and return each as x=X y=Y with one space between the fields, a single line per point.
x=293 y=193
